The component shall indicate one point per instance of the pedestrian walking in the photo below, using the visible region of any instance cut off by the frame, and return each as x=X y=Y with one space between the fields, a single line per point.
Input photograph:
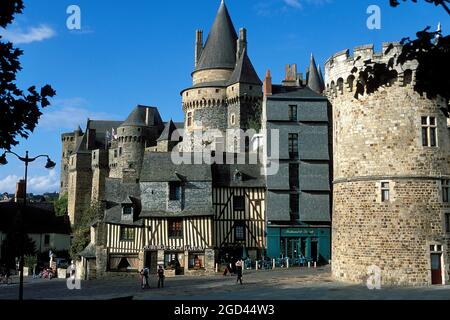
x=239 y=266
x=144 y=278
x=161 y=277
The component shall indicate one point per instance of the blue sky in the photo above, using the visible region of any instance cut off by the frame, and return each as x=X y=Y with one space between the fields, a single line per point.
x=143 y=53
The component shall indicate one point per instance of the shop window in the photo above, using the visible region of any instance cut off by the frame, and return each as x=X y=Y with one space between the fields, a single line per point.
x=126 y=234
x=175 y=228
x=174 y=191
x=238 y=203
x=239 y=230
x=196 y=261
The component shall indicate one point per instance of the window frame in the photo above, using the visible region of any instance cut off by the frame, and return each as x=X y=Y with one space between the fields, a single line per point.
x=175 y=228
x=126 y=206
x=127 y=234
x=238 y=226
x=190 y=117
x=238 y=205
x=384 y=189
x=445 y=189
x=293 y=113
x=293 y=145
x=175 y=191
x=447 y=222
x=429 y=131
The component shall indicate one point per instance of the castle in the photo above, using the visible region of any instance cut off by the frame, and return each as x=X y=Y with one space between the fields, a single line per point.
x=372 y=173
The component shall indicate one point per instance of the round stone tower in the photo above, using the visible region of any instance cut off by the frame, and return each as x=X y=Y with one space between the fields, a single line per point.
x=391 y=175
x=69 y=142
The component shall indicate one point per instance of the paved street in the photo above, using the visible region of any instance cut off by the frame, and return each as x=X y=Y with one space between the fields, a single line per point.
x=292 y=284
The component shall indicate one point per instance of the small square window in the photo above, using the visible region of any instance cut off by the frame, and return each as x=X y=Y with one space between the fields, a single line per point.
x=127 y=209
x=433 y=248
x=126 y=234
x=175 y=227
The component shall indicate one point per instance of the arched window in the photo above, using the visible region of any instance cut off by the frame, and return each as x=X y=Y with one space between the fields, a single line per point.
x=351 y=82
x=340 y=85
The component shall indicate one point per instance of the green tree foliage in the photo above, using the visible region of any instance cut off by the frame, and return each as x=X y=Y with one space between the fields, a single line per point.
x=61 y=205
x=19 y=111
x=82 y=234
x=254 y=122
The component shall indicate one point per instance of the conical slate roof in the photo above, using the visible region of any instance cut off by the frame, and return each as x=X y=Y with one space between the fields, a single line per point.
x=220 y=48
x=322 y=82
x=169 y=128
x=138 y=116
x=244 y=71
x=314 y=82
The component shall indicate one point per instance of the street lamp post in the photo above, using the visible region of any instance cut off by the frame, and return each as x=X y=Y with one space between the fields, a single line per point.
x=50 y=165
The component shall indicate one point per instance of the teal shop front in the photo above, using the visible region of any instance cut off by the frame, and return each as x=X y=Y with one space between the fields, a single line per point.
x=295 y=242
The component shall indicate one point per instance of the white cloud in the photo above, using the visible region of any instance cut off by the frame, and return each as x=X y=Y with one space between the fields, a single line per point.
x=293 y=3
x=36 y=184
x=68 y=114
x=18 y=36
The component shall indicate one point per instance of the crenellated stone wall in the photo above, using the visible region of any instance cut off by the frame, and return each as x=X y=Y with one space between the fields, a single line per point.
x=378 y=138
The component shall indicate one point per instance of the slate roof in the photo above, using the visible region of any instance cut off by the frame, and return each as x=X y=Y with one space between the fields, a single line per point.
x=37 y=219
x=224 y=176
x=159 y=167
x=138 y=117
x=184 y=213
x=220 y=47
x=279 y=91
x=100 y=127
x=88 y=252
x=169 y=128
x=244 y=71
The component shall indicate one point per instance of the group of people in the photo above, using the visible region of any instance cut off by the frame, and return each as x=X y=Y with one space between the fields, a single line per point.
x=239 y=265
x=145 y=273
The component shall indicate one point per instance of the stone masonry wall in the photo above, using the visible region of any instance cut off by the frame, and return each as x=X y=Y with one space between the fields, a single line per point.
x=377 y=138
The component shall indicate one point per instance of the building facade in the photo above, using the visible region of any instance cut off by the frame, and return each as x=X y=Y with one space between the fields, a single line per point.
x=299 y=192
x=391 y=173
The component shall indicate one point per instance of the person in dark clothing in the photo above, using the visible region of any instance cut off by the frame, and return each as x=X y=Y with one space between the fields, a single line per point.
x=239 y=266
x=161 y=277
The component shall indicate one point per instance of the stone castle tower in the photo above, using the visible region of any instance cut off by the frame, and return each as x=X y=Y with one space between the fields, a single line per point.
x=391 y=168
x=226 y=88
x=69 y=142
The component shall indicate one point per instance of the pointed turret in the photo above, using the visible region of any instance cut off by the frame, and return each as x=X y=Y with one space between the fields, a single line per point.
x=314 y=82
x=220 y=48
x=244 y=71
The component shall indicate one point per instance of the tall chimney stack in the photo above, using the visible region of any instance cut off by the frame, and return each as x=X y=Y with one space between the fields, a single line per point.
x=20 y=192
x=268 y=84
x=241 y=43
x=198 y=46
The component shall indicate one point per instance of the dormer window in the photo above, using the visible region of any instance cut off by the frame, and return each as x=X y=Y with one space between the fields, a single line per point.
x=127 y=209
x=238 y=176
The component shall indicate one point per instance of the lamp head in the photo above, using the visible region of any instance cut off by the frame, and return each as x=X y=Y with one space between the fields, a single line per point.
x=3 y=160
x=50 y=164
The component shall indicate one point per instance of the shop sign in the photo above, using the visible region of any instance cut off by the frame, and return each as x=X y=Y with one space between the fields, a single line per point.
x=174 y=248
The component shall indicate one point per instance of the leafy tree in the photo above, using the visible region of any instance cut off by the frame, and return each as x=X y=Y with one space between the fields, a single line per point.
x=82 y=234
x=61 y=205
x=19 y=110
x=444 y=3
x=431 y=50
x=254 y=122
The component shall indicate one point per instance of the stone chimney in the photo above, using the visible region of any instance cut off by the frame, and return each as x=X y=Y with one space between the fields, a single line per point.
x=268 y=84
x=292 y=78
x=198 y=46
x=20 y=192
x=241 y=43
